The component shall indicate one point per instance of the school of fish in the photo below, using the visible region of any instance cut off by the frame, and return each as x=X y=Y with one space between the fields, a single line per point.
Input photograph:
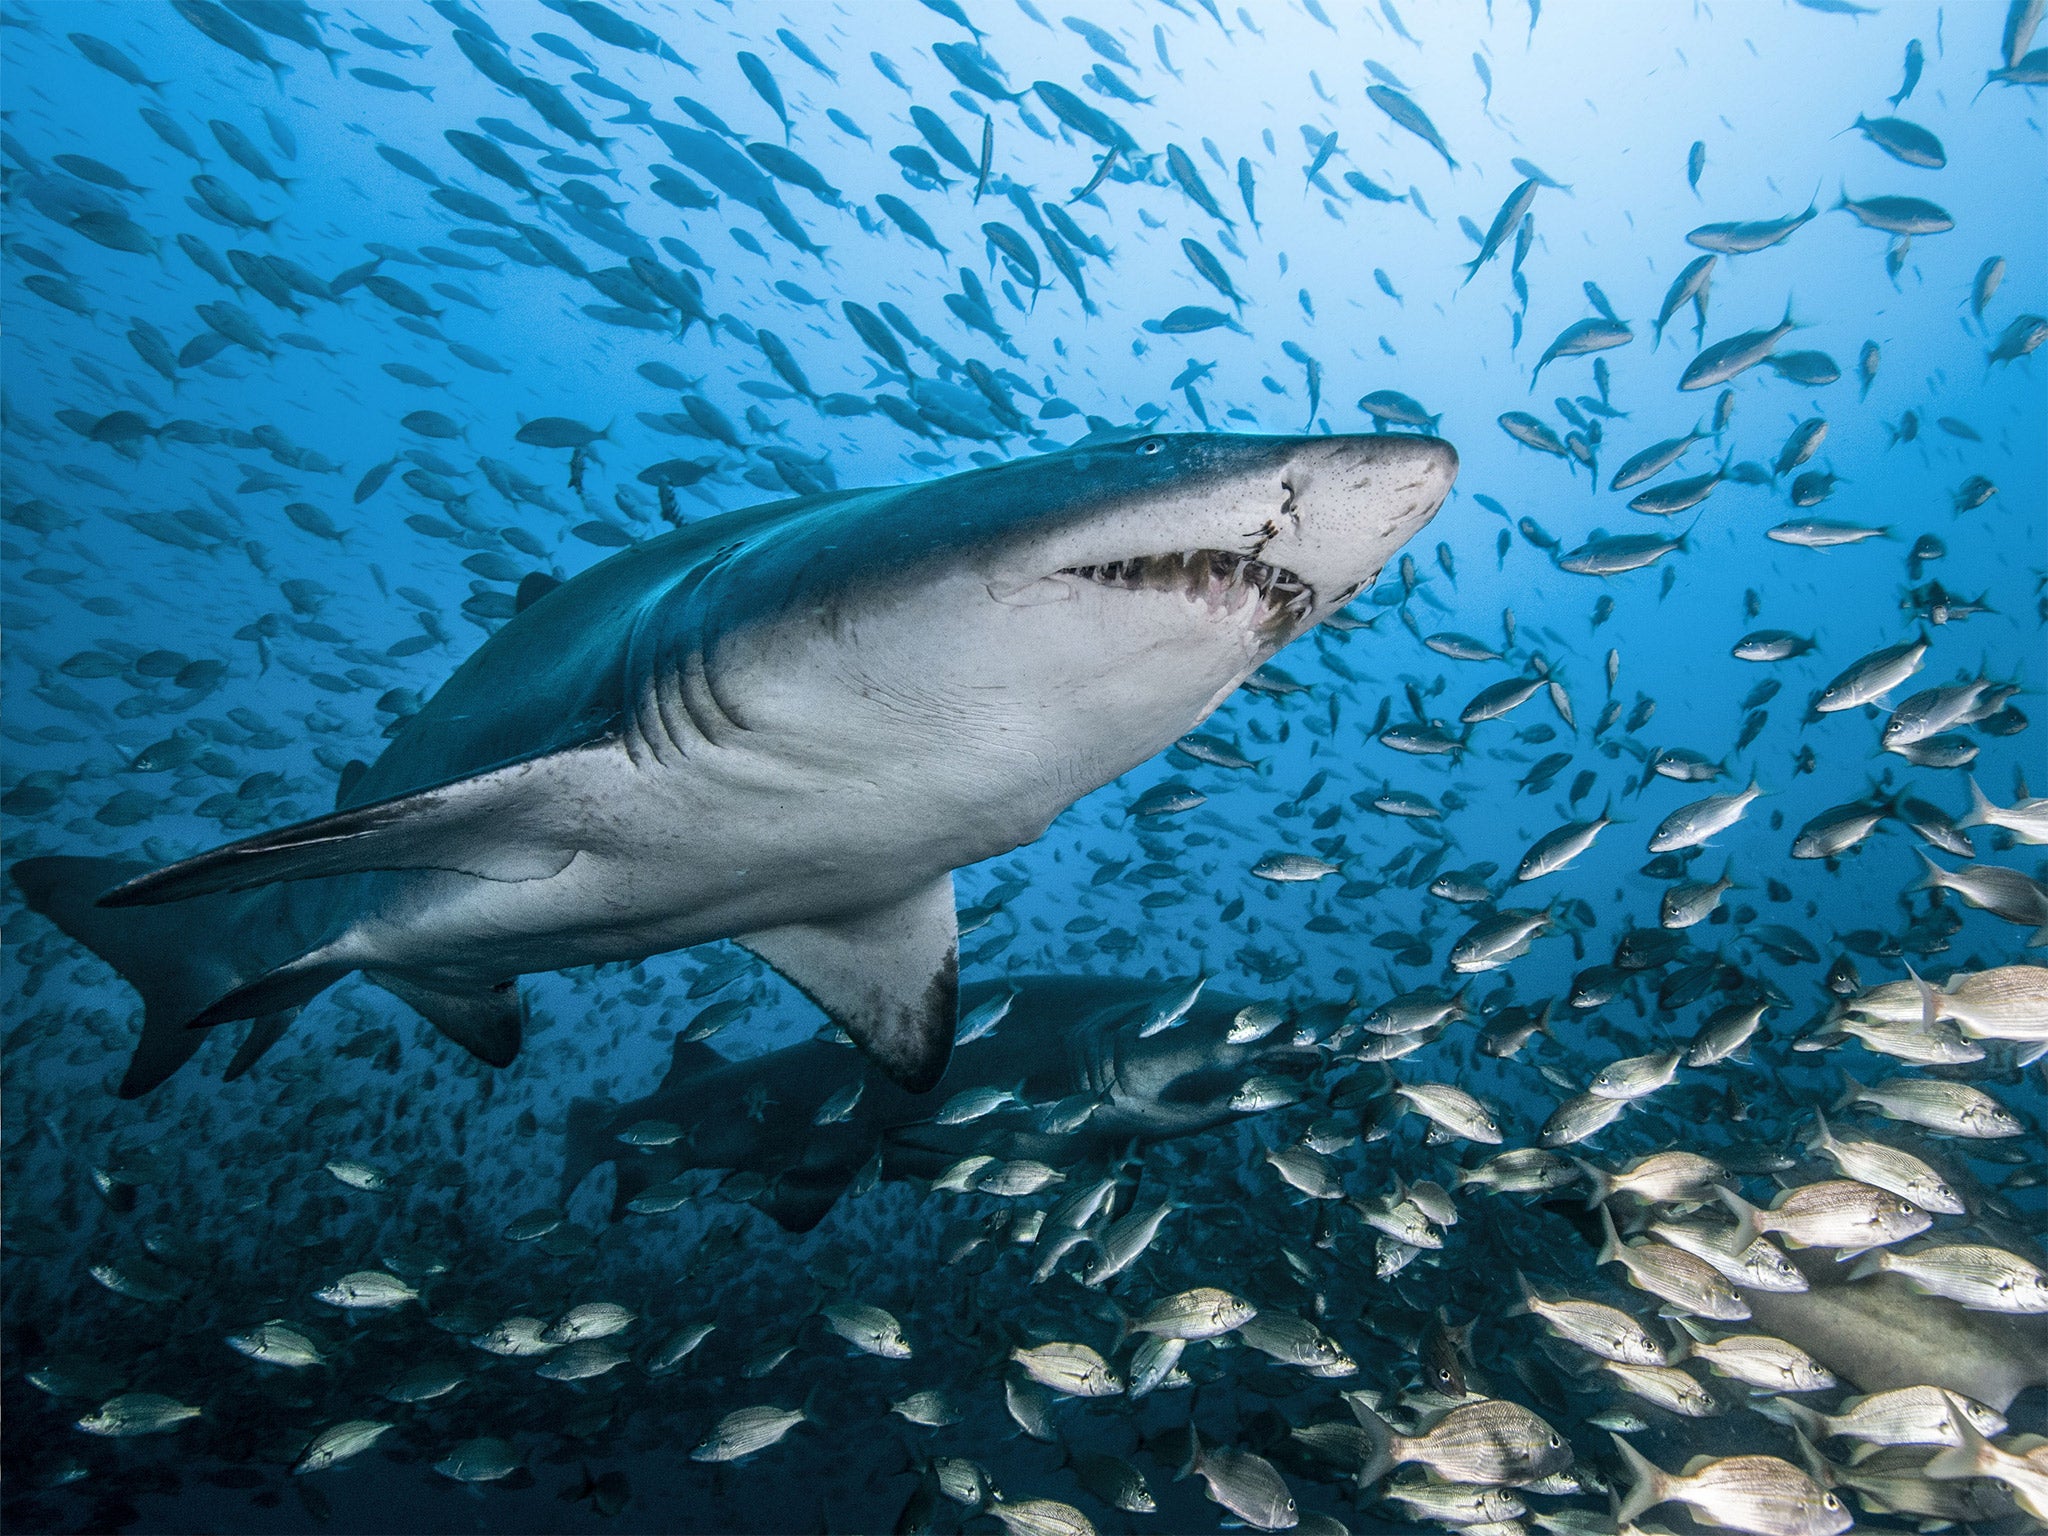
x=868 y=768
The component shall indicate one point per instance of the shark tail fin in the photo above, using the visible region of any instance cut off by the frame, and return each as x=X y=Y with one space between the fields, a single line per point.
x=185 y=959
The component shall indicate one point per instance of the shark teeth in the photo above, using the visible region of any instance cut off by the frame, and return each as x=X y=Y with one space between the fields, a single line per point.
x=1216 y=576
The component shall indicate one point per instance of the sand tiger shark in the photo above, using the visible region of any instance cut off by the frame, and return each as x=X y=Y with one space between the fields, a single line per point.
x=1089 y=1085
x=785 y=725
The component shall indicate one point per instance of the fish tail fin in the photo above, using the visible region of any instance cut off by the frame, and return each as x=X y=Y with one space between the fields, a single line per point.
x=1852 y=1092
x=1649 y=1484
x=1971 y=1456
x=188 y=960
x=1599 y=1184
x=1930 y=1000
x=1379 y=1434
x=1810 y=1423
x=1935 y=878
x=1525 y=1293
x=1872 y=1263
x=1981 y=808
x=1683 y=1338
x=1745 y=1217
x=1820 y=1138
x=1610 y=1240
x=1124 y=1320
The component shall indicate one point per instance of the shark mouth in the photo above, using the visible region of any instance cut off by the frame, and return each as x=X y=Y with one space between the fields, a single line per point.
x=1213 y=576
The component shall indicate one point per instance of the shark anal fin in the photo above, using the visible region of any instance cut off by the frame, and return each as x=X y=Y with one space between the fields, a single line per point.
x=888 y=976
x=486 y=1022
x=499 y=825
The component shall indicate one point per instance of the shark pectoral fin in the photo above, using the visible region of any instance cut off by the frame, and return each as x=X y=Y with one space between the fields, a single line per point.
x=485 y=1022
x=888 y=976
x=499 y=825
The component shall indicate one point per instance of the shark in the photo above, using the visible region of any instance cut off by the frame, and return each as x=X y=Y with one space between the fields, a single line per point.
x=785 y=725
x=1880 y=1333
x=1066 y=1045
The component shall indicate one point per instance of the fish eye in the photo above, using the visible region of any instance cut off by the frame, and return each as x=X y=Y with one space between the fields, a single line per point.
x=1829 y=1501
x=1151 y=445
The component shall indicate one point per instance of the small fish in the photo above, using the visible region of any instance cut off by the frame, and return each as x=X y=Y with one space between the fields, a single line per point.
x=1761 y=1494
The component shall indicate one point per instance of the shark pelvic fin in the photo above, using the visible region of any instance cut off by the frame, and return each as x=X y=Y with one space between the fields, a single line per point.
x=485 y=1022
x=888 y=976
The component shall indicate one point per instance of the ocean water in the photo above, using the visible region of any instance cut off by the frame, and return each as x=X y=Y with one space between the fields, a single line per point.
x=293 y=375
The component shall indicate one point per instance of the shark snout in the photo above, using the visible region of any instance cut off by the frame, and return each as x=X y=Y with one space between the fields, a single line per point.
x=1402 y=478
x=1351 y=502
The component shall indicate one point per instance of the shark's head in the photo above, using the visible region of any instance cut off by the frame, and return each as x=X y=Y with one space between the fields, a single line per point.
x=1038 y=628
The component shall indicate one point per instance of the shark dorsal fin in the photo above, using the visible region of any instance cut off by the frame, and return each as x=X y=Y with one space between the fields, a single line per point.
x=533 y=586
x=690 y=1059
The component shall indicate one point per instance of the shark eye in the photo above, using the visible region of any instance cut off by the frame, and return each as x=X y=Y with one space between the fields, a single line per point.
x=1151 y=445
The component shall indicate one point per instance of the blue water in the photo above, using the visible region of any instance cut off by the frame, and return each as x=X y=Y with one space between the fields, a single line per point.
x=119 y=551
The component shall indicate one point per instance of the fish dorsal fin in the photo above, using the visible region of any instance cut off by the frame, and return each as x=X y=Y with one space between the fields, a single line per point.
x=689 y=1059
x=505 y=823
x=533 y=586
x=486 y=1022
x=888 y=976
